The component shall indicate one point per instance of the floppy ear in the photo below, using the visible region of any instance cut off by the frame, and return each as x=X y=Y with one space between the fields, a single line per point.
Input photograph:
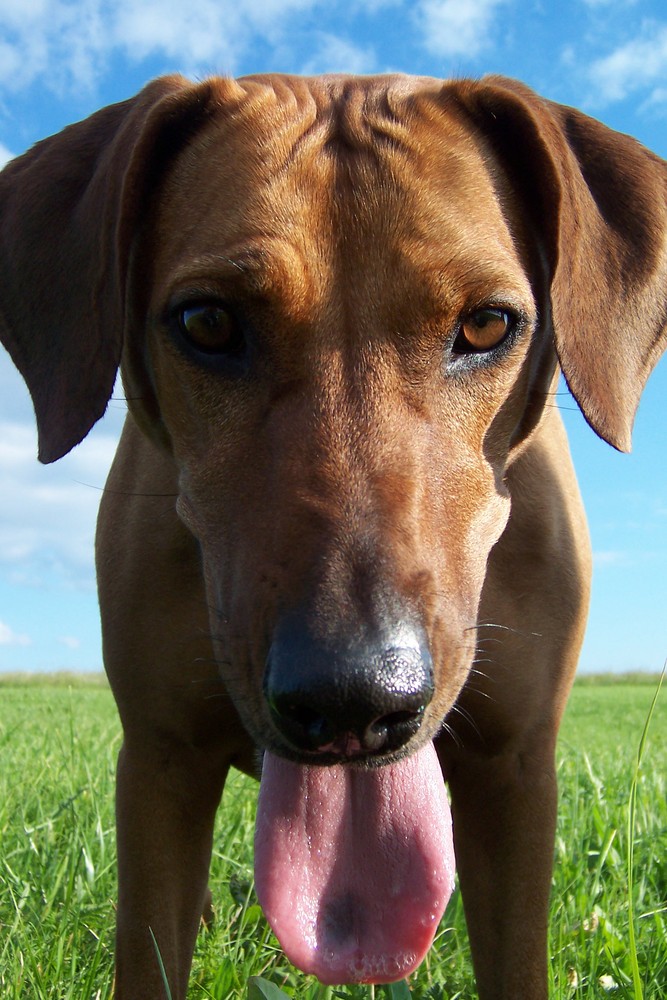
x=598 y=201
x=68 y=212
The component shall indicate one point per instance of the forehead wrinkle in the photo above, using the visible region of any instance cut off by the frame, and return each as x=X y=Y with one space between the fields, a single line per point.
x=334 y=117
x=322 y=197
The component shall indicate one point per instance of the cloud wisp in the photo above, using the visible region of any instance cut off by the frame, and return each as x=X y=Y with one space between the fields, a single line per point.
x=69 y=43
x=457 y=28
x=637 y=64
x=8 y=637
x=47 y=515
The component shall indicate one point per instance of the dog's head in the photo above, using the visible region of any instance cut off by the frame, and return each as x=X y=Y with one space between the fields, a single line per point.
x=340 y=306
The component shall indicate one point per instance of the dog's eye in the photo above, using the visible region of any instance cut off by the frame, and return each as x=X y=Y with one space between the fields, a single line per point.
x=210 y=328
x=483 y=330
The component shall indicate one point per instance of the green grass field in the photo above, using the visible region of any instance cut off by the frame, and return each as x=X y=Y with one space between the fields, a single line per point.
x=58 y=744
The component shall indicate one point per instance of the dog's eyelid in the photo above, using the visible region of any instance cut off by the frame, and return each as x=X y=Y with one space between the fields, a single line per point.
x=485 y=333
x=201 y=298
x=197 y=296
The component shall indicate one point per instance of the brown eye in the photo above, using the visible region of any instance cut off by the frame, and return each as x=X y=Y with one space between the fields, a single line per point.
x=482 y=330
x=210 y=328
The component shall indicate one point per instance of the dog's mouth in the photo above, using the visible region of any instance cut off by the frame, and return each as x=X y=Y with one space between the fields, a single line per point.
x=354 y=865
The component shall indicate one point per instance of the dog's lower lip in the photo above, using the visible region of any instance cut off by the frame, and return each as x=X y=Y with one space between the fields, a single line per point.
x=363 y=761
x=344 y=747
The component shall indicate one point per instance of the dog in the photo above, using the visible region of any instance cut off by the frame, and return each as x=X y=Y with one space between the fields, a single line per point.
x=342 y=534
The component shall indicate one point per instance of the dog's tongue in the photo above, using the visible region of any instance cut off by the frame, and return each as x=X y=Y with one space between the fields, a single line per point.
x=353 y=867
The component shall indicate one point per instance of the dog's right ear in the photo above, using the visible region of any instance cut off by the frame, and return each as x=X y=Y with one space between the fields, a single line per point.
x=68 y=212
x=598 y=201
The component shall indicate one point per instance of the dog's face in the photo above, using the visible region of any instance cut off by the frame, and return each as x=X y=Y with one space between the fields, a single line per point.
x=339 y=302
x=341 y=327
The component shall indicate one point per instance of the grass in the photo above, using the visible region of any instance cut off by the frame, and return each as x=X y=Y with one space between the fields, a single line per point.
x=58 y=744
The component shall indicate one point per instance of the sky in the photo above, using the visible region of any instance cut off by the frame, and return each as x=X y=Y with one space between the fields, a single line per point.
x=60 y=61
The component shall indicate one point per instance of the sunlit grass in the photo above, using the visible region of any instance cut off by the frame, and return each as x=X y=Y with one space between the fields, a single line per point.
x=57 y=861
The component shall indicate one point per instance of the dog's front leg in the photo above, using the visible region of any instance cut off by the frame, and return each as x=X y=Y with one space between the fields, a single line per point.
x=166 y=801
x=501 y=772
x=504 y=814
x=180 y=730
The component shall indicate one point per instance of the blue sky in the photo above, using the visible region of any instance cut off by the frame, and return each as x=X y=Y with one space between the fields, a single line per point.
x=59 y=61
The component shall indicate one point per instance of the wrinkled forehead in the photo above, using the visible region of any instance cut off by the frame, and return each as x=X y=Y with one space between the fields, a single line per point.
x=333 y=169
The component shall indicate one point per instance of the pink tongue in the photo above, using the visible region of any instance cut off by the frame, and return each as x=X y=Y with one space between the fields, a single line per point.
x=354 y=868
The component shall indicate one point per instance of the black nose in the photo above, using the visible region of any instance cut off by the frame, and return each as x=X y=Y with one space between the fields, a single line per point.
x=347 y=698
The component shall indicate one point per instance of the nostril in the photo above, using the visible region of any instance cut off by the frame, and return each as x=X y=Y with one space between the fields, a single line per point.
x=395 y=720
x=303 y=726
x=391 y=731
x=349 y=699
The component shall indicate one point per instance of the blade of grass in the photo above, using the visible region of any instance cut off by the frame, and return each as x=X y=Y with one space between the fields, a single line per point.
x=399 y=991
x=632 y=810
x=163 y=971
x=262 y=989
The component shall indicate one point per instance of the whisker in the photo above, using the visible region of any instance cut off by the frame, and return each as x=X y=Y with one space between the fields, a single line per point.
x=123 y=493
x=504 y=628
x=467 y=717
x=450 y=731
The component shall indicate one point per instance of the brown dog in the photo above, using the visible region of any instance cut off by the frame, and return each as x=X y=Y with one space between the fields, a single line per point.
x=342 y=522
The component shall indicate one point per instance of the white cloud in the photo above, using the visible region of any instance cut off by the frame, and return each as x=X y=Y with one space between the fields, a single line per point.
x=457 y=27
x=610 y=558
x=655 y=104
x=269 y=15
x=5 y=156
x=63 y=39
x=69 y=641
x=373 y=6
x=609 y=3
x=338 y=55
x=15 y=12
x=10 y=638
x=48 y=513
x=639 y=63
x=658 y=96
x=624 y=559
x=197 y=34
x=68 y=43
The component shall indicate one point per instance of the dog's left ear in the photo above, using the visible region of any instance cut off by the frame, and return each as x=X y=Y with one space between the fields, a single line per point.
x=69 y=209
x=598 y=202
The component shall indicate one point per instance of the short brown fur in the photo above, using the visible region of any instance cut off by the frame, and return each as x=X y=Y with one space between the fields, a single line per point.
x=354 y=467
